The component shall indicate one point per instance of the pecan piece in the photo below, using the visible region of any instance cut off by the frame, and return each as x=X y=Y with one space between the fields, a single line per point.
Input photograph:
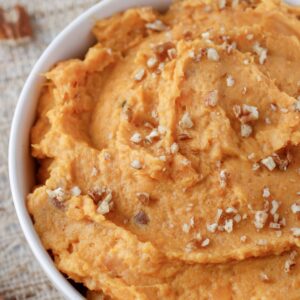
x=141 y=218
x=18 y=26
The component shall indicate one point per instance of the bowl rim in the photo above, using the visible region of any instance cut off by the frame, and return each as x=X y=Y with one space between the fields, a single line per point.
x=18 y=147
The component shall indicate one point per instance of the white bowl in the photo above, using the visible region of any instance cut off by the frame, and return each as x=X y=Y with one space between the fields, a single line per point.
x=72 y=42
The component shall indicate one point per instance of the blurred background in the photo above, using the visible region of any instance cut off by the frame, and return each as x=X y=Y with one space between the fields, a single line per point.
x=20 y=275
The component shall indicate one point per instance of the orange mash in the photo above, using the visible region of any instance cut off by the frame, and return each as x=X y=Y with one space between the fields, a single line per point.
x=169 y=160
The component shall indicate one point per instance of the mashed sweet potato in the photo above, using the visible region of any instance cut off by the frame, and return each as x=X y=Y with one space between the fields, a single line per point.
x=169 y=160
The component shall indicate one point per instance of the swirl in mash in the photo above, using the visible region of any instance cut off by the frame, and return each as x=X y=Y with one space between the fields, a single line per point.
x=169 y=160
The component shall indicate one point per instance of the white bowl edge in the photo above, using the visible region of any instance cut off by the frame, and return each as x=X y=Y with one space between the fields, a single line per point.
x=21 y=173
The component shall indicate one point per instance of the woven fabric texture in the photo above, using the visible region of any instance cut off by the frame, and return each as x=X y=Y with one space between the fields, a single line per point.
x=20 y=275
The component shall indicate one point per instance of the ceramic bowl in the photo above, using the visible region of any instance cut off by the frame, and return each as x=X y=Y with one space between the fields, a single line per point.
x=72 y=42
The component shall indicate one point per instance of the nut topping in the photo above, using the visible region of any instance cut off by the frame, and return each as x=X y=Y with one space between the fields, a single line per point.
x=141 y=218
x=143 y=197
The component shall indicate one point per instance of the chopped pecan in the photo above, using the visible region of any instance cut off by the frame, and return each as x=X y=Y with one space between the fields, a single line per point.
x=283 y=159
x=211 y=98
x=245 y=113
x=126 y=111
x=193 y=244
x=141 y=218
x=144 y=198
x=96 y=195
x=184 y=136
x=57 y=203
x=106 y=205
x=157 y=25
x=162 y=50
x=18 y=26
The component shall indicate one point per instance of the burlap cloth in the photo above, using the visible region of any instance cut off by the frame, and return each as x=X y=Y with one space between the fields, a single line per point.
x=20 y=275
